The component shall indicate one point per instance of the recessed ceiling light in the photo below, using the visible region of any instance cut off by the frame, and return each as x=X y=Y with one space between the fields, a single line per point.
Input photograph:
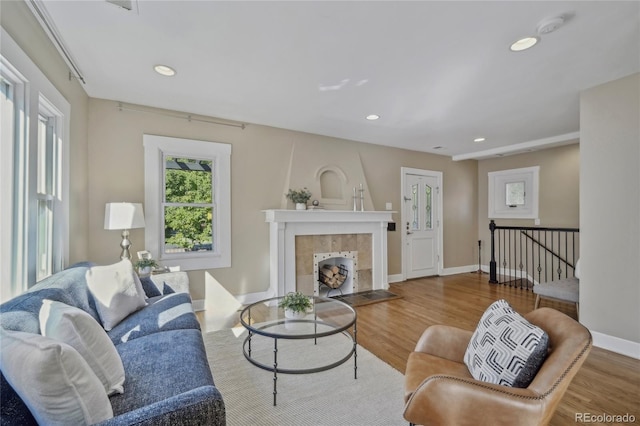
x=165 y=70
x=372 y=117
x=524 y=44
x=479 y=139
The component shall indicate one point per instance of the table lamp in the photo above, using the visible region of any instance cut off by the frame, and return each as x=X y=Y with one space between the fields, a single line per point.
x=124 y=216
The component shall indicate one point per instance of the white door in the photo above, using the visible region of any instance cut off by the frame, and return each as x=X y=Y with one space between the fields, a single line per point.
x=420 y=224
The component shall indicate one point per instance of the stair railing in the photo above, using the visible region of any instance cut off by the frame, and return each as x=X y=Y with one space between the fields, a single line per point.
x=522 y=256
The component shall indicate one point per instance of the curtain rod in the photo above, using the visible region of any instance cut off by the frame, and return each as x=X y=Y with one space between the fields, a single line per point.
x=188 y=117
x=38 y=9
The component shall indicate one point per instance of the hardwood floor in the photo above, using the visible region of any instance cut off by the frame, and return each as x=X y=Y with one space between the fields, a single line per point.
x=608 y=383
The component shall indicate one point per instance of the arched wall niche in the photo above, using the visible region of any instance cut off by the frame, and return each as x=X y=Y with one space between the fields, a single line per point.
x=332 y=181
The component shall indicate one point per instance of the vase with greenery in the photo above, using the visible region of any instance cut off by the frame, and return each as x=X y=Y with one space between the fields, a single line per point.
x=145 y=266
x=295 y=305
x=299 y=197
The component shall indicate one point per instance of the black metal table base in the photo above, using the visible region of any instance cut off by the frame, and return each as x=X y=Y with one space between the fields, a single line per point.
x=246 y=349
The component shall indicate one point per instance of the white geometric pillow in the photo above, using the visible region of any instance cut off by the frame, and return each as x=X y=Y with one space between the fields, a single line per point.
x=506 y=349
x=117 y=291
x=78 y=329
x=53 y=380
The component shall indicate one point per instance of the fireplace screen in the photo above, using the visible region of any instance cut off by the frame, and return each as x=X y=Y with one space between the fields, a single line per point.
x=335 y=273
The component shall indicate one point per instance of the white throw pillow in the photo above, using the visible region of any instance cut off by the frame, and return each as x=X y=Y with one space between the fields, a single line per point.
x=80 y=330
x=506 y=349
x=53 y=380
x=117 y=291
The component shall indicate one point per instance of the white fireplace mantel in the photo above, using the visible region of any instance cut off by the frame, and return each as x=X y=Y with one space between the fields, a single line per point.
x=285 y=225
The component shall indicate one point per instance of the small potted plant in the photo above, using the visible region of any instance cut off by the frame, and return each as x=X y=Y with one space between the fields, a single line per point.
x=300 y=197
x=145 y=266
x=295 y=305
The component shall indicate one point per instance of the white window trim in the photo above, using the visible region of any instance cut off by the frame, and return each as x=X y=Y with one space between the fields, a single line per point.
x=155 y=148
x=498 y=208
x=34 y=85
x=58 y=232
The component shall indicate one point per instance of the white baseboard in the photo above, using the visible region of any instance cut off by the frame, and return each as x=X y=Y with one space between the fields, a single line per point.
x=458 y=270
x=243 y=299
x=198 y=305
x=396 y=278
x=616 y=344
x=249 y=298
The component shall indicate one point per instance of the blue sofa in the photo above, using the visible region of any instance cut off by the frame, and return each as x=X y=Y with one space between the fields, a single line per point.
x=168 y=379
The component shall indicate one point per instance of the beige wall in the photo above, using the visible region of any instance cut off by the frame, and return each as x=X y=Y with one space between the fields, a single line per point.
x=259 y=168
x=18 y=21
x=559 y=204
x=382 y=169
x=610 y=208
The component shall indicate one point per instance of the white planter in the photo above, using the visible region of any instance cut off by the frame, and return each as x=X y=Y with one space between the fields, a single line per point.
x=289 y=314
x=144 y=271
x=301 y=206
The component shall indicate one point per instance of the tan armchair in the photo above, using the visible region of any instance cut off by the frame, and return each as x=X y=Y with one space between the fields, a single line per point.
x=439 y=390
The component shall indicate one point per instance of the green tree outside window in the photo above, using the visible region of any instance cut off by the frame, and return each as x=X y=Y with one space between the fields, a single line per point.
x=188 y=207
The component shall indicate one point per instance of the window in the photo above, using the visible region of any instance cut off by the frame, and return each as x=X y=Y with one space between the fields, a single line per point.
x=513 y=194
x=188 y=205
x=187 y=202
x=34 y=240
x=48 y=188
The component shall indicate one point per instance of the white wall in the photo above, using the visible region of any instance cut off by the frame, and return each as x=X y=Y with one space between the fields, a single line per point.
x=610 y=210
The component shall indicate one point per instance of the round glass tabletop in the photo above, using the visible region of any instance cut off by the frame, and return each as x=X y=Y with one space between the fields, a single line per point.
x=325 y=317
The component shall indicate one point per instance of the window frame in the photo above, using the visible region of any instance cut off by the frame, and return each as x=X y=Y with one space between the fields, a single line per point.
x=33 y=93
x=498 y=207
x=156 y=148
x=49 y=162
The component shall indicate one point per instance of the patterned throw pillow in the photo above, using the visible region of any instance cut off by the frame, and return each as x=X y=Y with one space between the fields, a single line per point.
x=506 y=349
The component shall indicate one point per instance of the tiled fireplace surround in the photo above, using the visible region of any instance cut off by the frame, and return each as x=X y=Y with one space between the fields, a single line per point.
x=308 y=245
x=295 y=236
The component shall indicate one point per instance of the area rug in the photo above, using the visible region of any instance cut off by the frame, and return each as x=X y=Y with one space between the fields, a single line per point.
x=367 y=297
x=327 y=398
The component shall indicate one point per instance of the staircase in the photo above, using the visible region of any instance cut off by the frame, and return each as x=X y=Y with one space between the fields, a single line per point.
x=524 y=256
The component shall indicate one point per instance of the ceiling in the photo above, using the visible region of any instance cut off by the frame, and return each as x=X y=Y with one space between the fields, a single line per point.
x=438 y=73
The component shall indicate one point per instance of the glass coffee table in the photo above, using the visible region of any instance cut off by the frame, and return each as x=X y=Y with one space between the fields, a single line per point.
x=323 y=339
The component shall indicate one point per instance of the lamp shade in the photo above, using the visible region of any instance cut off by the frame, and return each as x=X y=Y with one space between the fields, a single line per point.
x=123 y=216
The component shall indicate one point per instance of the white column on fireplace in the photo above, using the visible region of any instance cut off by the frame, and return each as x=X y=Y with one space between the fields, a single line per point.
x=284 y=225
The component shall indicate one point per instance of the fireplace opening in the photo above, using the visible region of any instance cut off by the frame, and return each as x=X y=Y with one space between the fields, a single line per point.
x=335 y=273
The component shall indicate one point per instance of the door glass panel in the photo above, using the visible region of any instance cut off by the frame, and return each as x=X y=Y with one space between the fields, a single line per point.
x=414 y=207
x=427 y=202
